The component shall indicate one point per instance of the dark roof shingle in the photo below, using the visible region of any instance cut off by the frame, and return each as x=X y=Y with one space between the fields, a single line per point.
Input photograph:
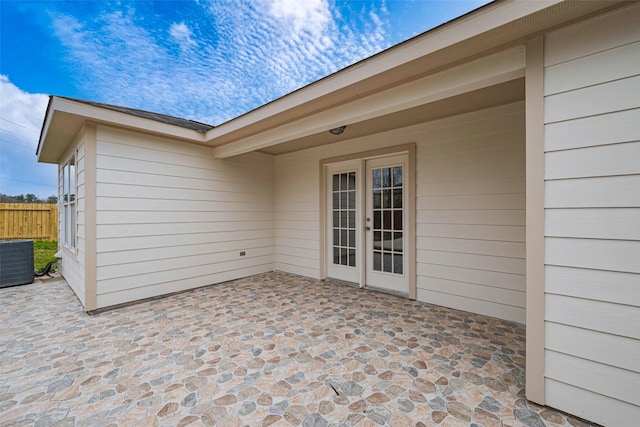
x=163 y=118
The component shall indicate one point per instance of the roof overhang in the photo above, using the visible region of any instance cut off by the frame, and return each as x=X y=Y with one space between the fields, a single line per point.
x=66 y=117
x=351 y=96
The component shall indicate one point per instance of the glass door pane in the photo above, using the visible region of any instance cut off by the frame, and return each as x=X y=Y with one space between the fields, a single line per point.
x=387 y=194
x=344 y=218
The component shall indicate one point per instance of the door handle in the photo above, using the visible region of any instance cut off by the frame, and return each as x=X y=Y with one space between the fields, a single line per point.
x=367 y=228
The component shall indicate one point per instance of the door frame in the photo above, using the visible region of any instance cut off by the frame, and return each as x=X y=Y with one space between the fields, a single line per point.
x=410 y=150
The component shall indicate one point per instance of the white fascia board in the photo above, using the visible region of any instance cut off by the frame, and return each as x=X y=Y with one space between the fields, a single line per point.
x=487 y=71
x=45 y=126
x=483 y=20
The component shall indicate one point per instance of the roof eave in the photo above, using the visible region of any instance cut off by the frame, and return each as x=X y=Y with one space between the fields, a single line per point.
x=55 y=135
x=483 y=30
x=442 y=37
x=43 y=130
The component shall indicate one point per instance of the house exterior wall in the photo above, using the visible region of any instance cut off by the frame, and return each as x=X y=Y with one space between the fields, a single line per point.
x=470 y=185
x=592 y=218
x=73 y=259
x=170 y=217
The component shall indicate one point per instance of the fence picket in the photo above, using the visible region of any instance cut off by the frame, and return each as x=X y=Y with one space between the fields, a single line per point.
x=37 y=221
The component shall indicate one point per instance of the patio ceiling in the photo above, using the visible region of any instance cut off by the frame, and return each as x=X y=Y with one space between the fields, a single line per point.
x=504 y=93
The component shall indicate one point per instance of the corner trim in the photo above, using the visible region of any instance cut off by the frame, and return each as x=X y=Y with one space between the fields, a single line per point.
x=90 y=261
x=535 y=273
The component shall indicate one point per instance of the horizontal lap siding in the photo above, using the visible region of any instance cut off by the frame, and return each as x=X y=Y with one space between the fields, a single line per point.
x=170 y=217
x=297 y=214
x=592 y=218
x=471 y=215
x=470 y=197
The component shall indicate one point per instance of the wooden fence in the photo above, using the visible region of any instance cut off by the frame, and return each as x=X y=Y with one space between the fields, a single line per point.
x=37 y=221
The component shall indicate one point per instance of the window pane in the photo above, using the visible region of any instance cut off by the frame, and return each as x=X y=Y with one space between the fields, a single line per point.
x=397 y=176
x=72 y=181
x=65 y=183
x=343 y=219
x=388 y=243
x=377 y=261
x=397 y=197
x=386 y=198
x=397 y=242
x=336 y=256
x=377 y=200
x=336 y=200
x=377 y=178
x=343 y=256
x=352 y=199
x=352 y=257
x=336 y=219
x=377 y=240
x=386 y=177
x=67 y=224
x=397 y=220
x=72 y=242
x=377 y=220
x=386 y=223
x=343 y=181
x=397 y=263
x=336 y=237
x=352 y=219
x=343 y=238
x=336 y=182
x=387 y=262
x=343 y=200
x=352 y=238
x=352 y=181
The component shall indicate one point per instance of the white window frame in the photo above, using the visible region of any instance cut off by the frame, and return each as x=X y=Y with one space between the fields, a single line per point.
x=69 y=189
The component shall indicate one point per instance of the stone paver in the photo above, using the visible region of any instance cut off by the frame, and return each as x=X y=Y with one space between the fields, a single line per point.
x=273 y=349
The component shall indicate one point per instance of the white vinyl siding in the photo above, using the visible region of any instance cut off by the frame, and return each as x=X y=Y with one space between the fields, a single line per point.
x=470 y=197
x=170 y=217
x=592 y=218
x=73 y=255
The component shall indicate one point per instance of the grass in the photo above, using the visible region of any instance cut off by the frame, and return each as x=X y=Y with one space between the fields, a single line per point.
x=43 y=252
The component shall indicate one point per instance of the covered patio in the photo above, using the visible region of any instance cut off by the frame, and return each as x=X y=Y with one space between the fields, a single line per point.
x=273 y=349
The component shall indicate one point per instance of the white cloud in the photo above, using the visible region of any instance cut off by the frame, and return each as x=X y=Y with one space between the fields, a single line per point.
x=249 y=53
x=21 y=116
x=312 y=16
x=182 y=35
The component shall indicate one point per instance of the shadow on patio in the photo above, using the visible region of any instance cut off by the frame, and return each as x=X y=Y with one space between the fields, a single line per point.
x=265 y=350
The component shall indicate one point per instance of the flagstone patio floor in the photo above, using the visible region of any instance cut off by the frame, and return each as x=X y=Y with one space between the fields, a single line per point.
x=273 y=349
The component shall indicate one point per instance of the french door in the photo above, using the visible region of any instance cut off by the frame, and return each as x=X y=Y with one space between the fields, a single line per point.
x=386 y=220
x=344 y=221
x=366 y=222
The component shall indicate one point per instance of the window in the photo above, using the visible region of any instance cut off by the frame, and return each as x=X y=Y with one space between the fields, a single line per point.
x=69 y=203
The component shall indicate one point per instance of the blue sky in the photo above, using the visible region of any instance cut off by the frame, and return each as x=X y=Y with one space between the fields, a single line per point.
x=208 y=61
